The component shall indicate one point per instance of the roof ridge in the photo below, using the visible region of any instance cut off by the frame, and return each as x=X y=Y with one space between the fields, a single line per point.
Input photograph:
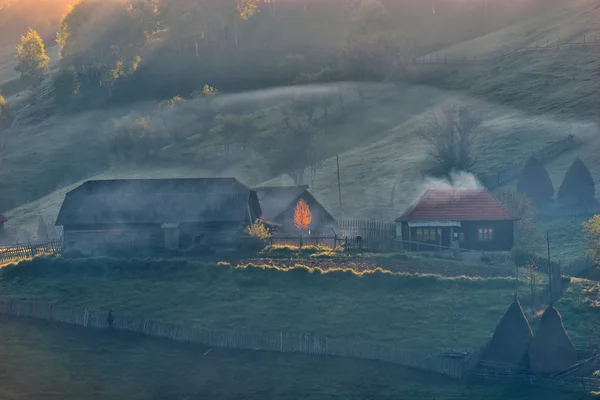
x=472 y=204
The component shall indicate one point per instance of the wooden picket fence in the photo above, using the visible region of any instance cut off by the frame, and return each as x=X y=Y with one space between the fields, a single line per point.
x=453 y=364
x=380 y=230
x=18 y=252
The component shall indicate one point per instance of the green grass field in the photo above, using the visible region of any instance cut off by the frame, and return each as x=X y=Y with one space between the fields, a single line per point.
x=412 y=311
x=58 y=362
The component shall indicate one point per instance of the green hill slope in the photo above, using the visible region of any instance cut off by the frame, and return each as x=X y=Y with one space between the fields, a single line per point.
x=58 y=362
x=531 y=99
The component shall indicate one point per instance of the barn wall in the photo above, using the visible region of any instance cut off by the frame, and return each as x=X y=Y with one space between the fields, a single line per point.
x=503 y=235
x=503 y=239
x=214 y=234
x=97 y=241
x=144 y=238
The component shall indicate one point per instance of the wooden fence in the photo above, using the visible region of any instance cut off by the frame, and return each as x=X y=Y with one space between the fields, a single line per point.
x=18 y=252
x=365 y=243
x=547 y=153
x=452 y=364
x=586 y=42
x=567 y=212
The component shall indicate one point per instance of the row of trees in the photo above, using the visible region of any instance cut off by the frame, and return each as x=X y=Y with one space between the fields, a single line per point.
x=105 y=41
x=577 y=188
x=288 y=138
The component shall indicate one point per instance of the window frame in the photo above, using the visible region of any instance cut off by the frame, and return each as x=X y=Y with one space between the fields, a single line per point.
x=426 y=235
x=485 y=234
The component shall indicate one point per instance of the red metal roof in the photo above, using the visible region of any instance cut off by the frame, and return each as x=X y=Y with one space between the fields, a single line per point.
x=457 y=205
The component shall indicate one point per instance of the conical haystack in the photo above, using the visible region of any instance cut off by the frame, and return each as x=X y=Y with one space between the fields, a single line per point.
x=511 y=338
x=551 y=350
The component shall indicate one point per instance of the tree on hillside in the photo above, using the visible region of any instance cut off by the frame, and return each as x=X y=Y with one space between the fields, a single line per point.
x=535 y=182
x=577 y=187
x=293 y=148
x=527 y=235
x=66 y=85
x=104 y=38
x=591 y=228
x=6 y=115
x=450 y=134
x=234 y=126
x=374 y=49
x=32 y=61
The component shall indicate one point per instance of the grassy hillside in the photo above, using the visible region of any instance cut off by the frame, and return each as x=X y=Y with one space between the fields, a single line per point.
x=337 y=303
x=557 y=90
x=413 y=311
x=531 y=100
x=58 y=362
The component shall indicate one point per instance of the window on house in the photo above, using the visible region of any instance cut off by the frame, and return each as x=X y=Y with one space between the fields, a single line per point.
x=486 y=234
x=426 y=234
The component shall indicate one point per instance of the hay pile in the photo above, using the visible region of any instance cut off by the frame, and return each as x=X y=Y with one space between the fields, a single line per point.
x=511 y=338
x=551 y=350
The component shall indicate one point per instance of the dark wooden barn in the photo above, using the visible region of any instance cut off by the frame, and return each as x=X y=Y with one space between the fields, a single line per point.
x=142 y=214
x=466 y=219
x=279 y=202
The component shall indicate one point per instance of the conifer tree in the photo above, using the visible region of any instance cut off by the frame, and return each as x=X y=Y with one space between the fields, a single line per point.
x=535 y=182
x=578 y=187
x=32 y=58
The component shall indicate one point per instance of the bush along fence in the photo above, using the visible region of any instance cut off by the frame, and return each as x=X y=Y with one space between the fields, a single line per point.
x=18 y=252
x=547 y=153
x=586 y=42
x=454 y=365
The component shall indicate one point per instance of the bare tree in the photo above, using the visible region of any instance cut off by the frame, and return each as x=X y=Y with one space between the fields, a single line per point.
x=450 y=133
x=295 y=148
x=533 y=277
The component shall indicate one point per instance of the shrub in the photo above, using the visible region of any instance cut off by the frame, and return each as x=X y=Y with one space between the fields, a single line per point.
x=6 y=115
x=519 y=256
x=535 y=182
x=258 y=231
x=577 y=187
x=66 y=86
x=136 y=141
x=527 y=234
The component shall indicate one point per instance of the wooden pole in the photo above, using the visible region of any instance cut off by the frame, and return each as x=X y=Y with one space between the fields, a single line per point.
x=337 y=159
x=550 y=274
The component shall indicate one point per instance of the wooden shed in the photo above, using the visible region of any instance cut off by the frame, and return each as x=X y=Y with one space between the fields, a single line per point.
x=142 y=214
x=279 y=202
x=467 y=219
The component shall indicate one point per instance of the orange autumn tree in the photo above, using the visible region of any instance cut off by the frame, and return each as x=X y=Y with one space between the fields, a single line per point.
x=302 y=215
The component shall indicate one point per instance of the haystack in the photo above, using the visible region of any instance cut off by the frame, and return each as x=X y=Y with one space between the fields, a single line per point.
x=511 y=338
x=551 y=350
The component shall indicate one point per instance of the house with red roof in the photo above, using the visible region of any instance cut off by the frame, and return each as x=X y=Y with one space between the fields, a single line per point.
x=467 y=219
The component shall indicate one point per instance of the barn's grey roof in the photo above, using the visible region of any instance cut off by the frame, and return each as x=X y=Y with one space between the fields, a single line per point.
x=150 y=201
x=274 y=200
